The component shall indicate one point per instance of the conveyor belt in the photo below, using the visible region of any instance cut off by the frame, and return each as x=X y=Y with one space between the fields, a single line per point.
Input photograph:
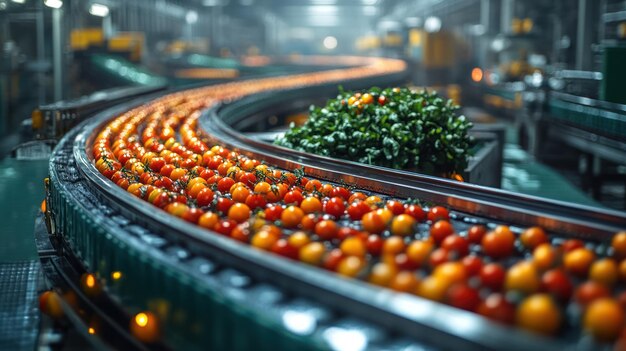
x=250 y=292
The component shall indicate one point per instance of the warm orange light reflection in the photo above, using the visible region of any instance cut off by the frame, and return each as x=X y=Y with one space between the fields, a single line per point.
x=116 y=275
x=91 y=330
x=90 y=281
x=477 y=74
x=43 y=206
x=141 y=319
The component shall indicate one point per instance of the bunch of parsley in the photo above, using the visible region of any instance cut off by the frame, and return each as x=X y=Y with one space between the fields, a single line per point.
x=398 y=128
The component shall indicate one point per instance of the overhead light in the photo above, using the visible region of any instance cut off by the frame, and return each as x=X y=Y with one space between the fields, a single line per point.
x=99 y=10
x=323 y=2
x=191 y=17
x=370 y=10
x=369 y=2
x=55 y=4
x=3 y=5
x=432 y=24
x=19 y=1
x=211 y=2
x=330 y=42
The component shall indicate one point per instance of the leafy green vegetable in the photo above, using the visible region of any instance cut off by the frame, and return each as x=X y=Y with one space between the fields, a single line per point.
x=396 y=128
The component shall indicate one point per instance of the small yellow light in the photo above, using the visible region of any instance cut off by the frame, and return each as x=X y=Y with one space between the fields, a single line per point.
x=141 y=319
x=90 y=281
x=116 y=275
x=91 y=330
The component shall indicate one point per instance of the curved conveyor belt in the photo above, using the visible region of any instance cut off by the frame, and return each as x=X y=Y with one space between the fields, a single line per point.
x=214 y=292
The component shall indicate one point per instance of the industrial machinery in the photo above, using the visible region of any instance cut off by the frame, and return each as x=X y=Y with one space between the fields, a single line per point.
x=145 y=279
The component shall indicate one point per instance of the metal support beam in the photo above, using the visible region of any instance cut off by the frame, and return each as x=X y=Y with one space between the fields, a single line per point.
x=585 y=33
x=57 y=60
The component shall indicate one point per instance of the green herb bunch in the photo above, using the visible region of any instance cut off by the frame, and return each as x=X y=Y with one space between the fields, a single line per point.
x=396 y=128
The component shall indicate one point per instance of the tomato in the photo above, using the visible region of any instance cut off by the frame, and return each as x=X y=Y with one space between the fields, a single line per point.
x=439 y=256
x=313 y=185
x=204 y=197
x=311 y=204
x=492 y=276
x=604 y=319
x=497 y=308
x=382 y=100
x=353 y=246
x=224 y=184
x=618 y=244
x=403 y=225
x=382 y=274
x=419 y=251
x=264 y=240
x=358 y=209
x=255 y=201
x=351 y=266
x=604 y=271
x=374 y=244
x=239 y=193
x=357 y=196
x=346 y=232
x=522 y=277
x=309 y=221
x=298 y=239
x=438 y=213
x=373 y=200
x=341 y=192
x=332 y=260
x=393 y=245
x=283 y=248
x=545 y=256
x=416 y=212
x=335 y=207
x=456 y=244
x=239 y=212
x=192 y=215
x=579 y=261
x=208 y=220
x=291 y=216
x=539 y=313
x=396 y=207
x=326 y=229
x=225 y=226
x=498 y=243
x=557 y=283
x=293 y=197
x=404 y=281
x=476 y=233
x=273 y=212
x=472 y=264
x=241 y=232
x=463 y=296
x=373 y=222
x=440 y=230
x=312 y=253
x=249 y=179
x=224 y=204
x=433 y=288
x=589 y=291
x=533 y=237
x=572 y=244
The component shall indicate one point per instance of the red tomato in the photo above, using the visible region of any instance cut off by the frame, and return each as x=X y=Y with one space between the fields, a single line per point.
x=272 y=212
x=492 y=276
x=256 y=201
x=335 y=207
x=358 y=209
x=374 y=244
x=225 y=226
x=590 y=291
x=438 y=213
x=293 y=197
x=440 y=230
x=341 y=192
x=557 y=283
x=499 y=243
x=224 y=204
x=283 y=248
x=205 y=197
x=396 y=207
x=497 y=308
x=456 y=244
x=439 y=256
x=473 y=265
x=416 y=212
x=326 y=229
x=476 y=233
x=463 y=296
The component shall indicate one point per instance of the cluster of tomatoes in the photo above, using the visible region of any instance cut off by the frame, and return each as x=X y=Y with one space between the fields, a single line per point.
x=523 y=278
